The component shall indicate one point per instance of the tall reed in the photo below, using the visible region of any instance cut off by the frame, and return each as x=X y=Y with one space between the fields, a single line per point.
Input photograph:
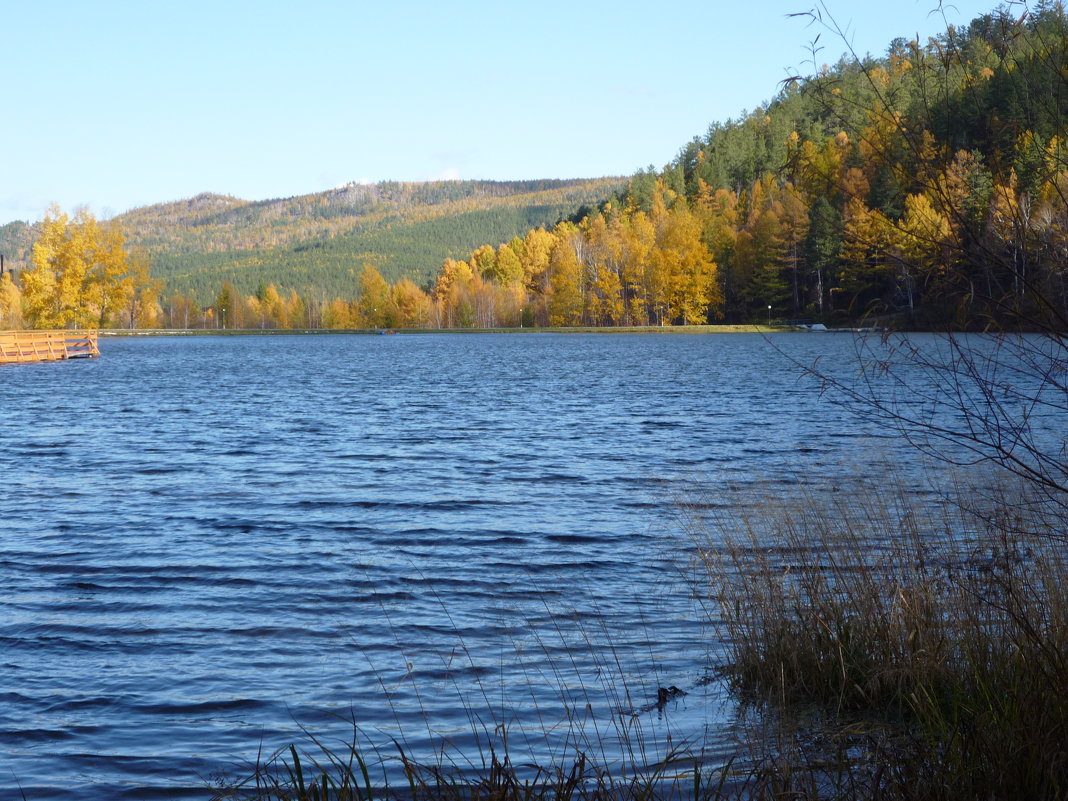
x=594 y=745
x=905 y=647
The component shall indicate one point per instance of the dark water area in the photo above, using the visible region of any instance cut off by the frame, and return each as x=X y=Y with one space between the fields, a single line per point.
x=208 y=543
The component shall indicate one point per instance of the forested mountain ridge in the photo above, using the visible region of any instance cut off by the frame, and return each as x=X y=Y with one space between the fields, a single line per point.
x=929 y=184
x=925 y=188
x=314 y=244
x=239 y=223
x=16 y=241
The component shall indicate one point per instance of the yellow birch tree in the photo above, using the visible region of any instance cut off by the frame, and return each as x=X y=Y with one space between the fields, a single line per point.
x=82 y=272
x=10 y=303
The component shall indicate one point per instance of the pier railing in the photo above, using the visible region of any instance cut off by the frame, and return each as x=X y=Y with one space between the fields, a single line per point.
x=42 y=346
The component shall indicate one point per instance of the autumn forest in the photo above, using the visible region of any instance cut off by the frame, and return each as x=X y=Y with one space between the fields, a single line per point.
x=923 y=188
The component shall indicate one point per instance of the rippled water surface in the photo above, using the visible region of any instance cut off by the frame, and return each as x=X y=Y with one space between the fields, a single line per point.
x=206 y=543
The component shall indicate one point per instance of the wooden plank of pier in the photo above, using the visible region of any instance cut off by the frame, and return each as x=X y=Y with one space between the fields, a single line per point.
x=47 y=346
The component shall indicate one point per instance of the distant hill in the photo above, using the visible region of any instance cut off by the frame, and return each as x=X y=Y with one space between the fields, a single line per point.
x=315 y=244
x=16 y=240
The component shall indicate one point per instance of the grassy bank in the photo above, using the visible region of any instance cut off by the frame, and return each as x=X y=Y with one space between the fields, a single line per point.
x=643 y=329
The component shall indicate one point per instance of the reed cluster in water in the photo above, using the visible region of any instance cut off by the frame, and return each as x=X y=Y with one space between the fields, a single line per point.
x=896 y=648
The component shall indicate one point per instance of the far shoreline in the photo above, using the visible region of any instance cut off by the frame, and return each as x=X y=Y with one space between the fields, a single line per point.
x=642 y=329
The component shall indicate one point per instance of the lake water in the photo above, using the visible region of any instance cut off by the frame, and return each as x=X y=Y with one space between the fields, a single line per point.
x=207 y=543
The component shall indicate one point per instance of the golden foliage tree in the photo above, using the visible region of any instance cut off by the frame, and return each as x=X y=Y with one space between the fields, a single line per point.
x=686 y=280
x=10 y=303
x=565 y=276
x=412 y=304
x=537 y=245
x=140 y=295
x=639 y=239
x=375 y=302
x=507 y=268
x=82 y=272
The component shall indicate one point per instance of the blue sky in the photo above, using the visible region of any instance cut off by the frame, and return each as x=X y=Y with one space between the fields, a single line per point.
x=114 y=105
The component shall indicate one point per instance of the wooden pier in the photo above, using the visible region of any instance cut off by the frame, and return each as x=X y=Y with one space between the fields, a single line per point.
x=47 y=346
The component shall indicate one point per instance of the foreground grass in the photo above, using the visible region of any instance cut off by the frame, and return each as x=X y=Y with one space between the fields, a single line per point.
x=346 y=776
x=898 y=651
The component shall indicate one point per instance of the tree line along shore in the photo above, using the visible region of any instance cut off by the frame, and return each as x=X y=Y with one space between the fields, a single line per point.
x=925 y=188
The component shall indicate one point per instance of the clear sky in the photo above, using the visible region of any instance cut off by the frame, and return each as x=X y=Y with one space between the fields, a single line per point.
x=114 y=105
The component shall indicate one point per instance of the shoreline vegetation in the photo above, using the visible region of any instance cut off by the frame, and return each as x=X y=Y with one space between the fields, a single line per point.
x=636 y=329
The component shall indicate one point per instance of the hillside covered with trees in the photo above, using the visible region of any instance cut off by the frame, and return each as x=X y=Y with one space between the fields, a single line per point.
x=315 y=244
x=923 y=188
